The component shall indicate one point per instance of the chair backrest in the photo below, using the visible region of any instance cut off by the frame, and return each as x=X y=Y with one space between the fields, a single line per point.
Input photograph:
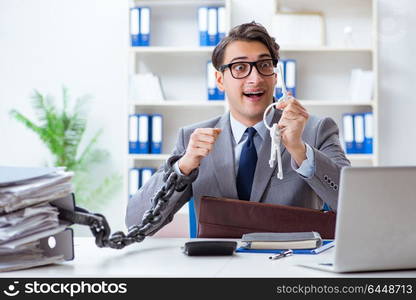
x=326 y=207
x=193 y=226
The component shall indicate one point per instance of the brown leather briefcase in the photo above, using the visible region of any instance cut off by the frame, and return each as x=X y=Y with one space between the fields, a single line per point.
x=230 y=218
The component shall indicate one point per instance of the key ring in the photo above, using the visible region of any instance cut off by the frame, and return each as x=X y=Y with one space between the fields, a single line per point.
x=283 y=98
x=275 y=145
x=274 y=130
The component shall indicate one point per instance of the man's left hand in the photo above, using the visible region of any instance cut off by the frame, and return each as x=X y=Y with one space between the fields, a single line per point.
x=291 y=126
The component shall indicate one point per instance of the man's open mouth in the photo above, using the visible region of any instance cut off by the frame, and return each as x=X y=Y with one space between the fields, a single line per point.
x=254 y=95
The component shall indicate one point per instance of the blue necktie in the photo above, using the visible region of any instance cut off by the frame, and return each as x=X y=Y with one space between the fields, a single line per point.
x=247 y=166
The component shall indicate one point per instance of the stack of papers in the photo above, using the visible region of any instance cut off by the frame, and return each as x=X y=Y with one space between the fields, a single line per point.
x=27 y=216
x=145 y=87
x=361 y=85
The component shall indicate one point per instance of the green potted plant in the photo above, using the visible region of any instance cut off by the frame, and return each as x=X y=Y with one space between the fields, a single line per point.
x=62 y=131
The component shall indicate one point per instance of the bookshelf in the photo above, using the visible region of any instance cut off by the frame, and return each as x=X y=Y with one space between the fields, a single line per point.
x=323 y=72
x=170 y=50
x=176 y=57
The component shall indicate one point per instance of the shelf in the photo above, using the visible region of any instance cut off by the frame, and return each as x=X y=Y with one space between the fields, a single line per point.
x=323 y=49
x=163 y=157
x=360 y=157
x=219 y=104
x=172 y=50
x=335 y=103
x=208 y=50
x=149 y=157
x=190 y=103
x=179 y=2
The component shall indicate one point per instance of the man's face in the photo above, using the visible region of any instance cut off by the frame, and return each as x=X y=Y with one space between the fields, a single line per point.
x=248 y=97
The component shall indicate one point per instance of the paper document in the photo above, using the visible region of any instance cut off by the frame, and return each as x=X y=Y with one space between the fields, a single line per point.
x=27 y=216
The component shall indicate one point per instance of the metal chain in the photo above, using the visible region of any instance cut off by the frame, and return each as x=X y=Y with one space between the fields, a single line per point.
x=151 y=218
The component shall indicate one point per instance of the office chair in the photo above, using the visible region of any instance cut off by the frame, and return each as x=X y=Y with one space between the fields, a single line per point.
x=193 y=226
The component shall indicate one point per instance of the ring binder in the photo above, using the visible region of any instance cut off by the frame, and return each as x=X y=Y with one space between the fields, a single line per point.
x=65 y=239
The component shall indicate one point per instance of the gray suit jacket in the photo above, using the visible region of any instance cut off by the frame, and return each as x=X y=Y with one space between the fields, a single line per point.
x=217 y=176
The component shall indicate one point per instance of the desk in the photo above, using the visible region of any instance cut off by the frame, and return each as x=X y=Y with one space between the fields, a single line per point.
x=162 y=257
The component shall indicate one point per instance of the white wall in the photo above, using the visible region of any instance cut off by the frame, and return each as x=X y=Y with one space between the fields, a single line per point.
x=397 y=79
x=82 y=44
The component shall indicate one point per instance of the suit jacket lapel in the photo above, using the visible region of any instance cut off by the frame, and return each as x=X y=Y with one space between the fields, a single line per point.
x=263 y=171
x=222 y=159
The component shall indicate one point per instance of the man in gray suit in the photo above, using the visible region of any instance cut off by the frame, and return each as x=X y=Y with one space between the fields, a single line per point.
x=228 y=156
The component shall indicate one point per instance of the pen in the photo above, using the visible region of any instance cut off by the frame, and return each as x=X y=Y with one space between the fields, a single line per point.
x=282 y=254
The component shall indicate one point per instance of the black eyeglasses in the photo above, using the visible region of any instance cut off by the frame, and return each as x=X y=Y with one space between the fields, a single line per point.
x=242 y=69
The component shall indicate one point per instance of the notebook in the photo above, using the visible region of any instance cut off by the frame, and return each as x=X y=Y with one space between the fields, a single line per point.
x=281 y=240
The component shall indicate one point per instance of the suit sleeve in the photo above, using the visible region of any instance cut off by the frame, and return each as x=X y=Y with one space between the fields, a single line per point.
x=140 y=202
x=329 y=159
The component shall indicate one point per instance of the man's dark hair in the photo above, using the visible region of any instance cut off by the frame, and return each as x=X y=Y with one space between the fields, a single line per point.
x=248 y=32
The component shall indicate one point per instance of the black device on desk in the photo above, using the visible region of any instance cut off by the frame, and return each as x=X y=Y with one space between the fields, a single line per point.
x=216 y=247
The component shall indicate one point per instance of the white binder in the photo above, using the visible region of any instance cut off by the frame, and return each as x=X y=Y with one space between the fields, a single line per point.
x=212 y=26
x=143 y=133
x=368 y=132
x=134 y=181
x=145 y=174
x=157 y=134
x=135 y=26
x=203 y=26
x=359 y=133
x=290 y=76
x=348 y=130
x=145 y=26
x=221 y=23
x=211 y=85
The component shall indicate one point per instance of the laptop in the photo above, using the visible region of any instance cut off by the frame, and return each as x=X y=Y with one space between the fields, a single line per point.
x=376 y=221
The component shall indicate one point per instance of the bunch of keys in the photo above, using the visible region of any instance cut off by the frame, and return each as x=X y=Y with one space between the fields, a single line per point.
x=275 y=151
x=274 y=130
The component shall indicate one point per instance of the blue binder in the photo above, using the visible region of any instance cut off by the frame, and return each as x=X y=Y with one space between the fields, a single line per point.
x=211 y=85
x=145 y=174
x=134 y=181
x=348 y=131
x=279 y=84
x=220 y=94
x=290 y=76
x=133 y=134
x=212 y=26
x=359 y=133
x=143 y=133
x=135 y=26
x=221 y=23
x=156 y=133
x=144 y=26
x=203 y=26
x=368 y=132
x=138 y=134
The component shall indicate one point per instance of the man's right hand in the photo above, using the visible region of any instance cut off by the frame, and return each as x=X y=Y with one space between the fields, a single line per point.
x=201 y=143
